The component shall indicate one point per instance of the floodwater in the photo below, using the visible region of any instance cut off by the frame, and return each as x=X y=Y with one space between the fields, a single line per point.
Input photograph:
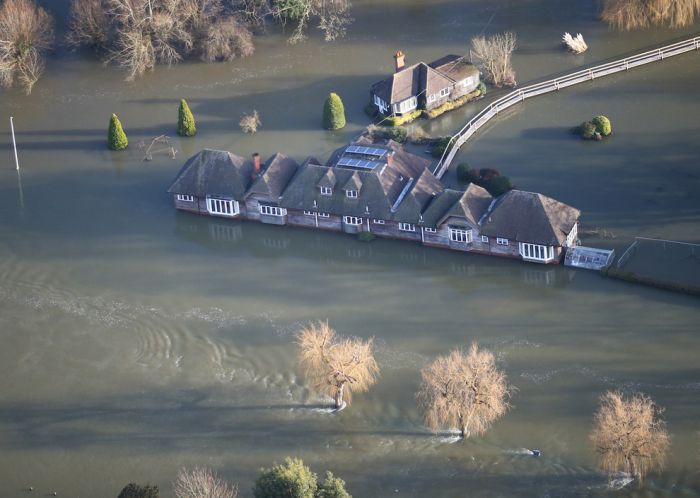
x=136 y=340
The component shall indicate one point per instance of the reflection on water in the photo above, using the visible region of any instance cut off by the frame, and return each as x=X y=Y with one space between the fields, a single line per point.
x=137 y=340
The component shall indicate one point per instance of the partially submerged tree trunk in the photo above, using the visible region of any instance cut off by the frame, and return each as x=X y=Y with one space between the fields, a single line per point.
x=339 y=397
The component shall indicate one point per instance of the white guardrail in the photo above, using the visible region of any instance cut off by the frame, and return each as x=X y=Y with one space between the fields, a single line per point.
x=554 y=85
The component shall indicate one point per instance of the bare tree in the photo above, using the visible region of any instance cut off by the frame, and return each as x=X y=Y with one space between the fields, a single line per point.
x=249 y=122
x=629 y=435
x=493 y=56
x=466 y=391
x=26 y=34
x=202 y=483
x=139 y=34
x=633 y=14
x=227 y=39
x=336 y=366
x=333 y=16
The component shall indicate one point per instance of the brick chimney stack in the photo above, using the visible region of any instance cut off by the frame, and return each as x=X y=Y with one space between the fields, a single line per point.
x=390 y=158
x=399 y=60
x=256 y=164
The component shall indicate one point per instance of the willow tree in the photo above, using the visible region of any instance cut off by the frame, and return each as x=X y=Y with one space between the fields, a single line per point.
x=336 y=366
x=629 y=435
x=26 y=34
x=464 y=390
x=633 y=14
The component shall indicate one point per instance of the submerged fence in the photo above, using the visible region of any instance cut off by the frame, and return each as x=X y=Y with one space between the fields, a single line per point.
x=554 y=85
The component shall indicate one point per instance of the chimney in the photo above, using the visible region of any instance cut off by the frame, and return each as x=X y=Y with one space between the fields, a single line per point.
x=256 y=164
x=390 y=158
x=399 y=60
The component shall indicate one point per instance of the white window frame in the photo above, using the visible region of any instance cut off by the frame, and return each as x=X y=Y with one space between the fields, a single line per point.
x=222 y=207
x=407 y=227
x=408 y=105
x=185 y=198
x=460 y=235
x=430 y=230
x=377 y=221
x=537 y=252
x=352 y=221
x=272 y=210
x=326 y=191
x=309 y=213
x=501 y=241
x=445 y=92
x=352 y=194
x=484 y=238
x=324 y=215
x=432 y=98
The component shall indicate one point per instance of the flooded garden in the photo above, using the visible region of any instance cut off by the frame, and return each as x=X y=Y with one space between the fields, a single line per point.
x=138 y=340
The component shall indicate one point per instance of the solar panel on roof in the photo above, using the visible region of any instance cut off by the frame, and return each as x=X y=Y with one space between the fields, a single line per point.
x=369 y=151
x=357 y=163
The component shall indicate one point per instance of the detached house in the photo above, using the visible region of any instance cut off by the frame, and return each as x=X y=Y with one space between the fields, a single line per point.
x=377 y=188
x=424 y=86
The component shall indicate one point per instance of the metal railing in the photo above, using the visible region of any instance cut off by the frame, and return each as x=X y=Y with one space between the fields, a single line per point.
x=554 y=85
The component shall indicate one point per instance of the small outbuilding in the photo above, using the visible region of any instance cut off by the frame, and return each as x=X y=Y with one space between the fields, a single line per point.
x=589 y=258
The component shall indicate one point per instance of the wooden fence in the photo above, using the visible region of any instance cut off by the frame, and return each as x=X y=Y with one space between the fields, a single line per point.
x=554 y=85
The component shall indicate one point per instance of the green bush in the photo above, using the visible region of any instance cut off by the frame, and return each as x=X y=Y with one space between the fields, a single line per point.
x=400 y=120
x=333 y=113
x=440 y=146
x=371 y=110
x=586 y=130
x=481 y=88
x=116 y=138
x=291 y=480
x=466 y=174
x=332 y=487
x=366 y=236
x=498 y=185
x=185 y=120
x=133 y=490
x=603 y=125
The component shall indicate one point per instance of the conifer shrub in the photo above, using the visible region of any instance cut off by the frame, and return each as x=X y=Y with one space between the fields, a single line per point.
x=332 y=487
x=185 y=120
x=133 y=490
x=333 y=113
x=602 y=124
x=116 y=138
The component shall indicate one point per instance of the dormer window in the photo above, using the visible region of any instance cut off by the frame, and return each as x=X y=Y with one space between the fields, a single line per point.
x=352 y=194
x=326 y=191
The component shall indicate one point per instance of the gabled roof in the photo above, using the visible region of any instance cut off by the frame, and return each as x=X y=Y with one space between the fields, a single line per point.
x=216 y=173
x=454 y=67
x=271 y=182
x=438 y=206
x=353 y=183
x=434 y=81
x=423 y=79
x=472 y=205
x=416 y=199
x=530 y=217
x=328 y=179
x=400 y=85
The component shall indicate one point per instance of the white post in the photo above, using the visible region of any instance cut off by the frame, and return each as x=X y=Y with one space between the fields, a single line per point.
x=14 y=142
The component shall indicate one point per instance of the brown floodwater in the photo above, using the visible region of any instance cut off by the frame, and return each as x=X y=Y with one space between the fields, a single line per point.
x=137 y=340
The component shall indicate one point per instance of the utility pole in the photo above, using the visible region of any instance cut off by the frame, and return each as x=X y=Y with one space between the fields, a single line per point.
x=14 y=142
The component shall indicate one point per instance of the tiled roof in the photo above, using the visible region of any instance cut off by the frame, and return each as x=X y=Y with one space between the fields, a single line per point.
x=530 y=217
x=215 y=173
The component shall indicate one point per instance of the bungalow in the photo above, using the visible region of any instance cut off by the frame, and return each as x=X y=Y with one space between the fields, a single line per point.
x=377 y=188
x=424 y=86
